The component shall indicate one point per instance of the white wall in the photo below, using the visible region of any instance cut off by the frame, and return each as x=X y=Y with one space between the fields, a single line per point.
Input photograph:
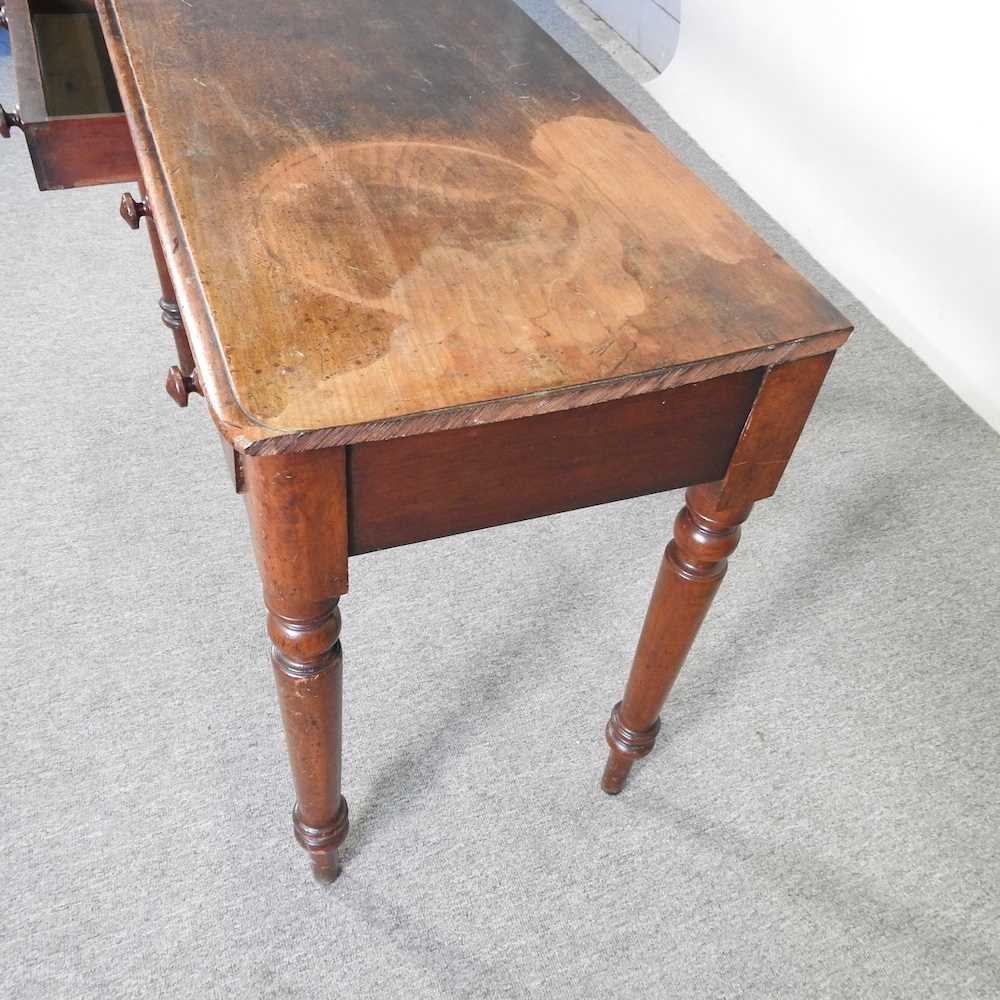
x=871 y=131
x=651 y=26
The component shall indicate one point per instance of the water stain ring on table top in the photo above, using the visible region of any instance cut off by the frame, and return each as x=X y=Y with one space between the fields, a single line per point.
x=451 y=271
x=378 y=208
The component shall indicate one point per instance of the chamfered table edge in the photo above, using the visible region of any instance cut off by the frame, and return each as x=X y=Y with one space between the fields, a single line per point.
x=251 y=436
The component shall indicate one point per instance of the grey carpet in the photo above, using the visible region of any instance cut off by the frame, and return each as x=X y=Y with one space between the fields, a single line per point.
x=819 y=819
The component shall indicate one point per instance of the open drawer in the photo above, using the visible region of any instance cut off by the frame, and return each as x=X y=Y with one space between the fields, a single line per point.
x=68 y=103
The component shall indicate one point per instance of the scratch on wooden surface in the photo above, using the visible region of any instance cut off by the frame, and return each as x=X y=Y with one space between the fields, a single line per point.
x=449 y=269
x=543 y=402
x=517 y=258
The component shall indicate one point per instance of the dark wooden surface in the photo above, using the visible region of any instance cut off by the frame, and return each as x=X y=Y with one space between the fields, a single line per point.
x=706 y=533
x=79 y=152
x=692 y=569
x=170 y=313
x=780 y=411
x=433 y=278
x=67 y=96
x=410 y=489
x=387 y=217
x=297 y=505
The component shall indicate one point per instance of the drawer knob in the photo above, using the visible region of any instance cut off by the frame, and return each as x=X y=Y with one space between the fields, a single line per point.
x=180 y=386
x=8 y=121
x=132 y=211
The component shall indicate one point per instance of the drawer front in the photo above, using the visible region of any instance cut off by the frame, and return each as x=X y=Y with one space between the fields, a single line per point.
x=68 y=103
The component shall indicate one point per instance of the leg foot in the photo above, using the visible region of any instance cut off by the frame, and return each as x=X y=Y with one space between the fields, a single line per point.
x=692 y=569
x=627 y=746
x=615 y=774
x=308 y=670
x=326 y=869
x=296 y=505
x=322 y=843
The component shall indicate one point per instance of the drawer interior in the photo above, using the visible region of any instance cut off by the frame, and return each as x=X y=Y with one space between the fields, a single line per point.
x=73 y=61
x=70 y=108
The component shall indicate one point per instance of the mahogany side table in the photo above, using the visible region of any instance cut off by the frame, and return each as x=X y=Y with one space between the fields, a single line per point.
x=429 y=276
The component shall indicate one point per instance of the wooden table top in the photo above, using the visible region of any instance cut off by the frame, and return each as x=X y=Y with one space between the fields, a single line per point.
x=391 y=216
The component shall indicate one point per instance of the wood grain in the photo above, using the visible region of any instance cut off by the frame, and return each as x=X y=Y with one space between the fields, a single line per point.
x=297 y=508
x=432 y=221
x=779 y=414
x=706 y=533
x=80 y=152
x=692 y=568
x=430 y=485
x=66 y=94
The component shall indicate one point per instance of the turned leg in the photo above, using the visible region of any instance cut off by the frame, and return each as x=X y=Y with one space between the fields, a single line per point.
x=706 y=533
x=297 y=508
x=692 y=569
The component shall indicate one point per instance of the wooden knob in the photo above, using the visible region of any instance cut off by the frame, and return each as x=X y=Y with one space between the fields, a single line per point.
x=8 y=121
x=132 y=211
x=180 y=386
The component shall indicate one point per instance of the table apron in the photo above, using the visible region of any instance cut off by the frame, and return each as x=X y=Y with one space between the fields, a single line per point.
x=431 y=485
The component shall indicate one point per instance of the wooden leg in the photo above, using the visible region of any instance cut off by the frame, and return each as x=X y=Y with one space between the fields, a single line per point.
x=706 y=533
x=297 y=508
x=692 y=569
